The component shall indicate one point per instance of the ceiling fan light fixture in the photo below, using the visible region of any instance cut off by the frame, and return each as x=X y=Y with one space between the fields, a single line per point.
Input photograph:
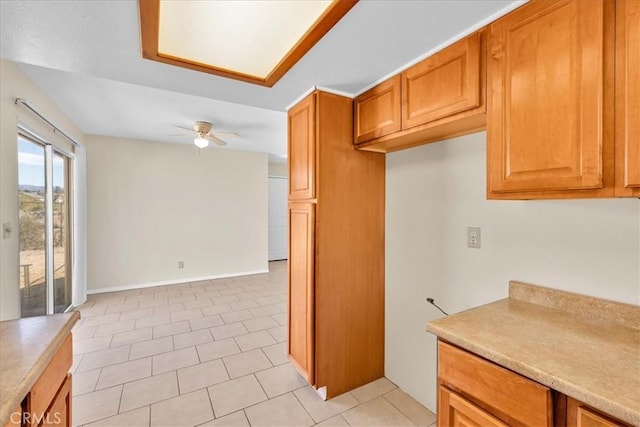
x=201 y=142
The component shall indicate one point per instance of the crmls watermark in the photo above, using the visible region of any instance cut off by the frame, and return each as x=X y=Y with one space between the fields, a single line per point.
x=27 y=418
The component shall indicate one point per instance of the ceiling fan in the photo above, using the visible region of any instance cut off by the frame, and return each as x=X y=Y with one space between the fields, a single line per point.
x=203 y=133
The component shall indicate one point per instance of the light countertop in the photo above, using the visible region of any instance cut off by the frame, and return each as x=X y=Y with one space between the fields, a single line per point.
x=26 y=348
x=584 y=347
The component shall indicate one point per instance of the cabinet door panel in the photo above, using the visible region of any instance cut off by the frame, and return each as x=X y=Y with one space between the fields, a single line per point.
x=302 y=149
x=377 y=111
x=59 y=413
x=302 y=288
x=443 y=84
x=546 y=97
x=627 y=98
x=454 y=410
x=580 y=415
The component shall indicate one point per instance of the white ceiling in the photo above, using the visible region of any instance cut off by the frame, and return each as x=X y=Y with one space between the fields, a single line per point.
x=85 y=55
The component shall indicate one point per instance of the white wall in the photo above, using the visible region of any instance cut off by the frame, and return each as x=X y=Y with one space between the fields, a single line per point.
x=278 y=169
x=15 y=84
x=152 y=204
x=434 y=192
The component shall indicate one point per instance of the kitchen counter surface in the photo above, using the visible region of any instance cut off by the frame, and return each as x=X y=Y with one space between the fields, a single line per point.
x=26 y=348
x=584 y=347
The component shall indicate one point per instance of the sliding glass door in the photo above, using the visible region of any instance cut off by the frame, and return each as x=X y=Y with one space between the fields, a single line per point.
x=44 y=215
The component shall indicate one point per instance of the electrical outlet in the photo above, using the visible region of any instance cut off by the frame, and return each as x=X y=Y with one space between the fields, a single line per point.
x=473 y=237
x=180 y=264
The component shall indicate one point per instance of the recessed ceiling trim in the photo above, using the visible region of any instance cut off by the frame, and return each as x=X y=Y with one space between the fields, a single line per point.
x=150 y=28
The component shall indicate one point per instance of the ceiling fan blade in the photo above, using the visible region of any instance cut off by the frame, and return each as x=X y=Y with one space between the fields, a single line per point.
x=185 y=128
x=226 y=134
x=179 y=134
x=216 y=140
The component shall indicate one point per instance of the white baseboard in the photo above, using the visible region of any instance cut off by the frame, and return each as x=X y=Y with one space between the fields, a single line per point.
x=172 y=282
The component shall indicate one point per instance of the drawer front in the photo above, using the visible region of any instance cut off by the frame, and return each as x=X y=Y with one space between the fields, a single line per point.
x=47 y=386
x=514 y=399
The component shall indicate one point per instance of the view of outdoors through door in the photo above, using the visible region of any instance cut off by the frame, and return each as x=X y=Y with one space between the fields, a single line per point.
x=41 y=245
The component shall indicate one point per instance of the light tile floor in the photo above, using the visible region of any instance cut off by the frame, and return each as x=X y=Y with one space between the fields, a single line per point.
x=210 y=353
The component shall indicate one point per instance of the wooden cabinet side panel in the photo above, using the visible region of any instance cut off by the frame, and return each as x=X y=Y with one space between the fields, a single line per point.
x=302 y=149
x=512 y=398
x=49 y=383
x=350 y=254
x=59 y=413
x=627 y=98
x=301 y=345
x=550 y=103
x=377 y=111
x=443 y=84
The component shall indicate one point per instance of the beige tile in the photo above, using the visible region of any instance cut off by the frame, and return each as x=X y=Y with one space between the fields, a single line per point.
x=241 y=305
x=217 y=349
x=76 y=362
x=201 y=375
x=194 y=289
x=228 y=331
x=411 y=408
x=281 y=411
x=205 y=322
x=173 y=360
x=373 y=389
x=237 y=419
x=234 y=395
x=277 y=353
x=148 y=390
x=136 y=418
x=246 y=363
x=336 y=421
x=151 y=347
x=322 y=409
x=170 y=329
x=376 y=412
x=90 y=344
x=96 y=405
x=280 y=380
x=181 y=299
x=216 y=309
x=136 y=314
x=85 y=382
x=190 y=339
x=281 y=318
x=131 y=337
x=198 y=303
x=279 y=333
x=260 y=323
x=100 y=320
x=266 y=310
x=268 y=300
x=254 y=340
x=117 y=308
x=155 y=320
x=185 y=410
x=124 y=372
x=114 y=328
x=101 y=358
x=236 y=316
x=168 y=308
x=80 y=333
x=178 y=316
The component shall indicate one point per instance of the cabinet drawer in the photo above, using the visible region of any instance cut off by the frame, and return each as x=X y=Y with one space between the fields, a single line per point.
x=510 y=397
x=47 y=386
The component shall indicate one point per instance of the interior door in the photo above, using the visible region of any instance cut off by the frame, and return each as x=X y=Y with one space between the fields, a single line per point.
x=278 y=221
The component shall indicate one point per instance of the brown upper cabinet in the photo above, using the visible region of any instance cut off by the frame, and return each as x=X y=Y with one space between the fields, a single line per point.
x=440 y=97
x=550 y=101
x=302 y=150
x=628 y=98
x=377 y=112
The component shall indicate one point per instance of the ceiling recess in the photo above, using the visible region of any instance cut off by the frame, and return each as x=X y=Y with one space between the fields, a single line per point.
x=251 y=41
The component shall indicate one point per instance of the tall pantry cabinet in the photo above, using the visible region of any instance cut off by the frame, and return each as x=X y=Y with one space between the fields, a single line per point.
x=336 y=248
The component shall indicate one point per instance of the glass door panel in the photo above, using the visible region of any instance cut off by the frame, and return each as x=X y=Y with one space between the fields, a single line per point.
x=61 y=235
x=32 y=218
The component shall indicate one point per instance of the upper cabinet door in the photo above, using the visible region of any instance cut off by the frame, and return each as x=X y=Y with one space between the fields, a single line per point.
x=628 y=98
x=443 y=84
x=302 y=149
x=377 y=111
x=549 y=115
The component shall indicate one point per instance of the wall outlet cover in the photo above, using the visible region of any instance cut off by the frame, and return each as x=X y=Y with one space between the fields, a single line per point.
x=473 y=237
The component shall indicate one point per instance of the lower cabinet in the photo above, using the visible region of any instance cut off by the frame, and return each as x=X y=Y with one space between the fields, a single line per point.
x=475 y=392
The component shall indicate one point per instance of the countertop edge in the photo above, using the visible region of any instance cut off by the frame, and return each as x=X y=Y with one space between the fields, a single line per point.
x=7 y=407
x=563 y=386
